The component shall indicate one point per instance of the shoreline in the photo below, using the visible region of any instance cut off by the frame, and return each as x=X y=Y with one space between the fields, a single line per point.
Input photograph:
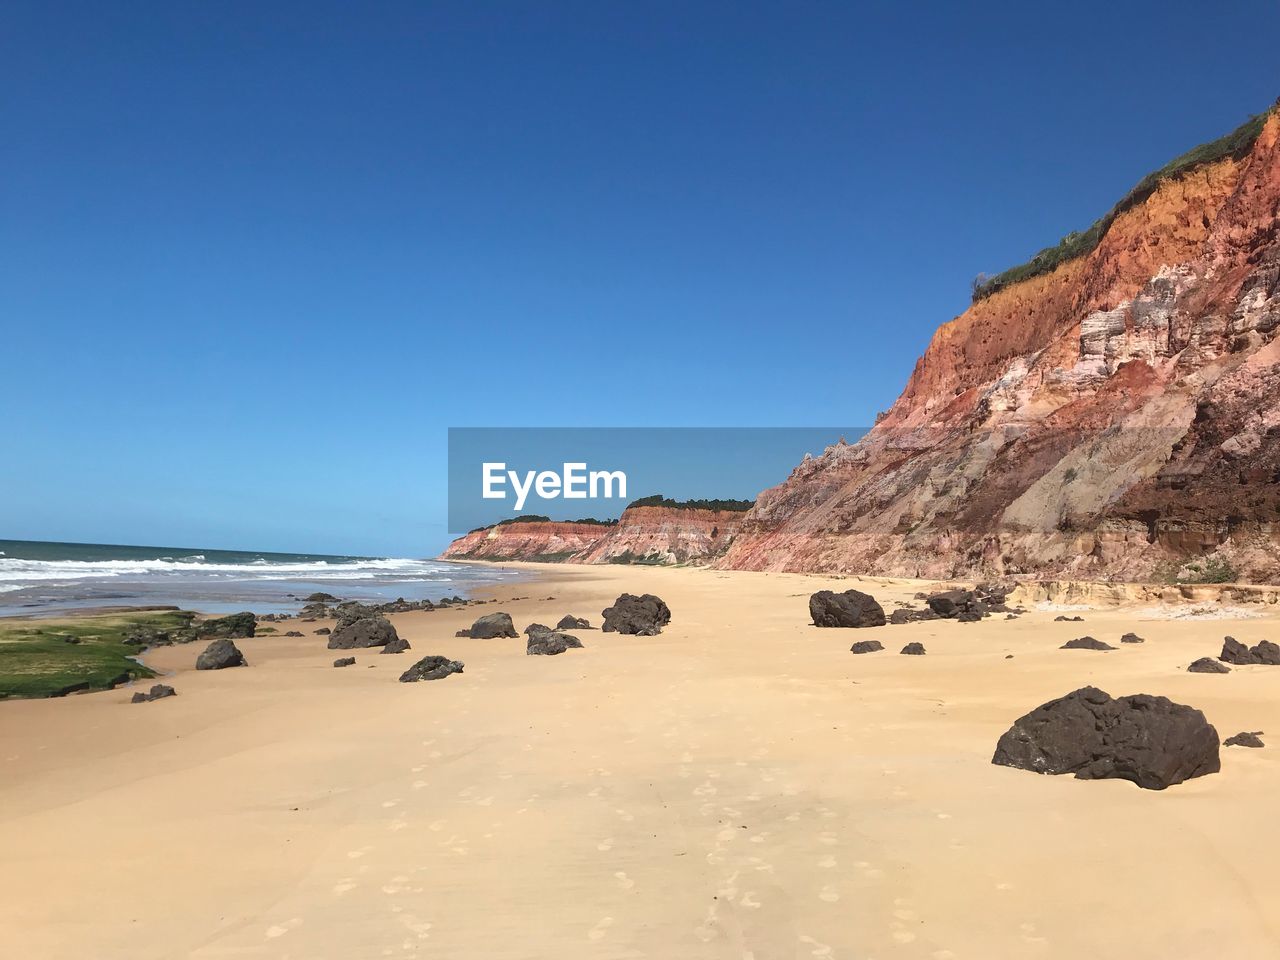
x=739 y=783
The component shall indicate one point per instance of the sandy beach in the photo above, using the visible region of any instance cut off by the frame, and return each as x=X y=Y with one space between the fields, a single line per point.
x=740 y=786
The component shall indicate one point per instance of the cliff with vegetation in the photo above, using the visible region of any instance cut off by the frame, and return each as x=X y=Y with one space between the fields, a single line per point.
x=1109 y=410
x=654 y=530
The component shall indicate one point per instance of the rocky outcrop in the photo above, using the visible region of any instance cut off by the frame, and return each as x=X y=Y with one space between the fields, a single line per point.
x=1151 y=741
x=1086 y=643
x=1208 y=665
x=1116 y=418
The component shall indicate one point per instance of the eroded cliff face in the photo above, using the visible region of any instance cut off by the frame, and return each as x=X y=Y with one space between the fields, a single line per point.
x=666 y=535
x=658 y=535
x=1112 y=419
x=549 y=541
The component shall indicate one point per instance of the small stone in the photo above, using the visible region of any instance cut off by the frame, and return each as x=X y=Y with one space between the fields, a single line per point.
x=1244 y=739
x=866 y=646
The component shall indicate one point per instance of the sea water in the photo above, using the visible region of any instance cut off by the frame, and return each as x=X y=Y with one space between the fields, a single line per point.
x=39 y=577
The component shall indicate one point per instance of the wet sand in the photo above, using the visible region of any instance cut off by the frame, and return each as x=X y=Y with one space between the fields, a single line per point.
x=740 y=786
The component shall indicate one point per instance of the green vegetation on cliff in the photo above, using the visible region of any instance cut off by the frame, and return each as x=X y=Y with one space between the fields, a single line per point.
x=658 y=500
x=1235 y=144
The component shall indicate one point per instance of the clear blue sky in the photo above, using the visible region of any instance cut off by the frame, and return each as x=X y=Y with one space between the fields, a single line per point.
x=256 y=257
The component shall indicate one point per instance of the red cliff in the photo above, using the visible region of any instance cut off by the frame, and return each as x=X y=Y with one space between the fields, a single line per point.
x=1116 y=416
x=644 y=534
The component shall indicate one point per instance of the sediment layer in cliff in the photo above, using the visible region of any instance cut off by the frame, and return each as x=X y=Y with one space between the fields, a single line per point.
x=1115 y=417
x=643 y=534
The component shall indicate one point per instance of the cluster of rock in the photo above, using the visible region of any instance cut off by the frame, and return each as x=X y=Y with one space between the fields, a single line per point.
x=1263 y=652
x=1234 y=652
x=1148 y=740
x=324 y=606
x=963 y=606
x=157 y=692
x=914 y=649
x=355 y=630
x=233 y=627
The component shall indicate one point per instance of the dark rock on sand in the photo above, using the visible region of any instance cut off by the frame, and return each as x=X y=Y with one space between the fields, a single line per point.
x=219 y=655
x=1148 y=740
x=1131 y=638
x=464 y=632
x=431 y=668
x=913 y=650
x=1208 y=665
x=1244 y=739
x=493 y=625
x=320 y=597
x=292 y=633
x=322 y=632
x=642 y=616
x=1066 y=619
x=344 y=662
x=536 y=629
x=234 y=627
x=1086 y=643
x=550 y=643
x=158 y=692
x=368 y=632
x=570 y=622
x=398 y=645
x=1233 y=651
x=866 y=646
x=849 y=609
x=1266 y=652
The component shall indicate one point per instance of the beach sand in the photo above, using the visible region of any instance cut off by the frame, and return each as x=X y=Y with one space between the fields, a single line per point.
x=740 y=786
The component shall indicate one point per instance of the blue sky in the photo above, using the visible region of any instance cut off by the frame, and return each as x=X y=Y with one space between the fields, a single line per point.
x=255 y=258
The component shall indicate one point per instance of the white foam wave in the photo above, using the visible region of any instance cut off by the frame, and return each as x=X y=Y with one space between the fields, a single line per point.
x=15 y=571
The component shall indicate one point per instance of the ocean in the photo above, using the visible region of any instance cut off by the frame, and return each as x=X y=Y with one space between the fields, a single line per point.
x=38 y=577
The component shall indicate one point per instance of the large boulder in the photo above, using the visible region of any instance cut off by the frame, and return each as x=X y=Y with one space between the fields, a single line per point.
x=493 y=625
x=237 y=626
x=570 y=622
x=1148 y=740
x=431 y=668
x=364 y=632
x=219 y=655
x=1266 y=652
x=849 y=609
x=642 y=616
x=913 y=650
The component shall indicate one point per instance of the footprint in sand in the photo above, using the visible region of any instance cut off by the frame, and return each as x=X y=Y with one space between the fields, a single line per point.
x=357 y=854
x=605 y=845
x=345 y=885
x=600 y=929
x=829 y=894
x=827 y=863
x=623 y=880
x=280 y=929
